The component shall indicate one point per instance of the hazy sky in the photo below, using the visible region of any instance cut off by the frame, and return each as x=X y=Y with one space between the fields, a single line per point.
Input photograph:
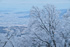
x=25 y=5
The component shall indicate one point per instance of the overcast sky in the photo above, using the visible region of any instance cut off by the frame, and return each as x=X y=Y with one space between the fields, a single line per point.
x=25 y=5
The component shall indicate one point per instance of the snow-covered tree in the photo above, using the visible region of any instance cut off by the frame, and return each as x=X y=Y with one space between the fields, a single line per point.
x=44 y=24
x=66 y=28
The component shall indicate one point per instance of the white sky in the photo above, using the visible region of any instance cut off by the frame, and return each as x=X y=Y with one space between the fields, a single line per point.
x=25 y=5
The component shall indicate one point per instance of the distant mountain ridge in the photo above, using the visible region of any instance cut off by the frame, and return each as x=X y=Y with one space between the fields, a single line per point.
x=22 y=12
x=62 y=11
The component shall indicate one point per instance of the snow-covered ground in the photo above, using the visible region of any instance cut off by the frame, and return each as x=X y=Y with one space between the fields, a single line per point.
x=11 y=19
x=17 y=18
